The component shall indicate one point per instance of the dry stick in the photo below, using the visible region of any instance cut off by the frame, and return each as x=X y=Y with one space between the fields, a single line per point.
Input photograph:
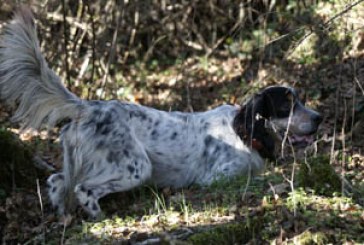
x=63 y=231
x=41 y=209
x=189 y=104
x=132 y=35
x=70 y=20
x=151 y=48
x=65 y=36
x=91 y=13
x=359 y=84
x=344 y=150
x=247 y=183
x=79 y=16
x=332 y=155
x=343 y=139
x=111 y=54
x=291 y=180
x=77 y=43
x=285 y=137
x=222 y=39
x=337 y=98
x=354 y=100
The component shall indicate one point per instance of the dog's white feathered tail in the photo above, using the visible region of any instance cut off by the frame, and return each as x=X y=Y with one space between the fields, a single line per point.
x=25 y=77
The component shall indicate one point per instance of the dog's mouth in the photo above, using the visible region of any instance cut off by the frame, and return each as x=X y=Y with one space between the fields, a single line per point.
x=301 y=141
x=298 y=139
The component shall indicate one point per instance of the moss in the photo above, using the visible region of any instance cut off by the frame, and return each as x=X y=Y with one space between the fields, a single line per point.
x=236 y=233
x=16 y=166
x=319 y=175
x=308 y=237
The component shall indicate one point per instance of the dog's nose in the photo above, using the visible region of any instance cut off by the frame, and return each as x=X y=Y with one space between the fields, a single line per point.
x=317 y=118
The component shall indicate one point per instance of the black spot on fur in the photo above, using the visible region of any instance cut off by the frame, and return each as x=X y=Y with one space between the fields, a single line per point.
x=108 y=118
x=89 y=193
x=103 y=128
x=136 y=176
x=206 y=126
x=174 y=136
x=126 y=153
x=100 y=144
x=154 y=135
x=224 y=122
x=94 y=207
x=138 y=114
x=86 y=203
x=112 y=156
x=82 y=188
x=217 y=149
x=131 y=169
x=96 y=113
x=204 y=153
x=156 y=123
x=208 y=140
x=88 y=124
x=54 y=189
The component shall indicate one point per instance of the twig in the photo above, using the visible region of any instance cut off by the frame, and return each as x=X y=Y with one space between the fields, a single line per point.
x=65 y=36
x=91 y=13
x=247 y=183
x=343 y=161
x=133 y=32
x=63 y=232
x=78 y=38
x=70 y=20
x=111 y=54
x=360 y=86
x=41 y=209
x=287 y=130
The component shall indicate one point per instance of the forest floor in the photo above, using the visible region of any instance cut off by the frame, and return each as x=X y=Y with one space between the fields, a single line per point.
x=289 y=203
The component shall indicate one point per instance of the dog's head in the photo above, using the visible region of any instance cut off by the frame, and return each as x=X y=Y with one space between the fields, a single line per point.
x=272 y=114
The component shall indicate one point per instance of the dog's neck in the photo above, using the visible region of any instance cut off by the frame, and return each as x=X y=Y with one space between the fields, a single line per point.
x=249 y=125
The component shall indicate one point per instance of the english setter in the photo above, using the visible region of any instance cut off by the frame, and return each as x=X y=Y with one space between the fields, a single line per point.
x=113 y=146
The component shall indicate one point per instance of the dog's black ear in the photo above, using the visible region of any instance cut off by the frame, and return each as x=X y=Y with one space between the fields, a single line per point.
x=249 y=124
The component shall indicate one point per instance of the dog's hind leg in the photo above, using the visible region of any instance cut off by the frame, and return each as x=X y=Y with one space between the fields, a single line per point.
x=56 y=191
x=119 y=171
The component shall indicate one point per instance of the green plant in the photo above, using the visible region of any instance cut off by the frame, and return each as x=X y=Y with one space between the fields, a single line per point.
x=319 y=175
x=236 y=233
